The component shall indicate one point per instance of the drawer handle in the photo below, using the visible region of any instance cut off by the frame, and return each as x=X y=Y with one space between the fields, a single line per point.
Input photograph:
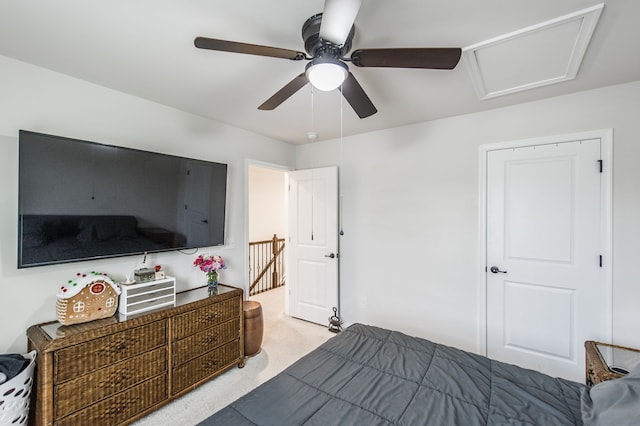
x=211 y=364
x=122 y=407
x=121 y=378
x=115 y=379
x=210 y=339
x=116 y=410
x=210 y=317
x=121 y=347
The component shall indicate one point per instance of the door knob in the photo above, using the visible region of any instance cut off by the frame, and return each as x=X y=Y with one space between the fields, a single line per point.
x=331 y=255
x=497 y=270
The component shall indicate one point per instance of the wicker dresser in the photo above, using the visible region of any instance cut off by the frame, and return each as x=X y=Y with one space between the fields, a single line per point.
x=116 y=370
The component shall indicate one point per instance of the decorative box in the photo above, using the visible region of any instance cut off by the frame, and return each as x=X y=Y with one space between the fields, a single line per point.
x=87 y=297
x=146 y=296
x=144 y=274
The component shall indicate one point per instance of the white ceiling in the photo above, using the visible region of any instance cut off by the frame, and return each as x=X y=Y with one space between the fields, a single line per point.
x=145 y=48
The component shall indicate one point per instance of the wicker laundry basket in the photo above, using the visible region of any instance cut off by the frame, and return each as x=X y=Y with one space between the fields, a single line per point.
x=15 y=395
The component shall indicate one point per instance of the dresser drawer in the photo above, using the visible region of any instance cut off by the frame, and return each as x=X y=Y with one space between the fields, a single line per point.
x=205 y=366
x=200 y=319
x=123 y=406
x=203 y=342
x=80 y=359
x=106 y=382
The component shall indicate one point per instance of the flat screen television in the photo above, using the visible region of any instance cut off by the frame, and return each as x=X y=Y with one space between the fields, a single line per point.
x=81 y=200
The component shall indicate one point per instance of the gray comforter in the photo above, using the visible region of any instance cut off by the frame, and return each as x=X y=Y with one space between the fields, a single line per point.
x=371 y=376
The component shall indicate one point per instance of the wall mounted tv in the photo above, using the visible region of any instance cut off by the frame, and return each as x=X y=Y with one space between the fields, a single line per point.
x=82 y=200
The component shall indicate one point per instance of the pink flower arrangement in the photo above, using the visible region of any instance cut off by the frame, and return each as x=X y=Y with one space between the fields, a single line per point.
x=208 y=263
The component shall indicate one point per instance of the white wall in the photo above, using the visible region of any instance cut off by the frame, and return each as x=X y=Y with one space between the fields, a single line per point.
x=40 y=100
x=409 y=256
x=410 y=252
x=267 y=214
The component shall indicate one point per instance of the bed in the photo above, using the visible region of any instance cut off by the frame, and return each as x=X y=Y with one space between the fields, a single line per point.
x=372 y=376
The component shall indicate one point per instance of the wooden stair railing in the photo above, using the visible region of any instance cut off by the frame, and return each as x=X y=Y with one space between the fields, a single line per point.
x=266 y=264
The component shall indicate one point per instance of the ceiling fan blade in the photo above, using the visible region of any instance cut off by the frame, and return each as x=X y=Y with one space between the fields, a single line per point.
x=250 y=49
x=357 y=98
x=337 y=19
x=283 y=94
x=443 y=58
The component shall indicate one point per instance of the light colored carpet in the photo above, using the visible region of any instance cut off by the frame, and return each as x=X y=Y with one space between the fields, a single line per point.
x=285 y=340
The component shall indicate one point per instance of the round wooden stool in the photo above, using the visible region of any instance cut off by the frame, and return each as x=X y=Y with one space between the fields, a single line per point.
x=253 y=327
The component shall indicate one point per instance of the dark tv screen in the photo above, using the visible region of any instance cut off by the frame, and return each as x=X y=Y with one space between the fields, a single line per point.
x=81 y=200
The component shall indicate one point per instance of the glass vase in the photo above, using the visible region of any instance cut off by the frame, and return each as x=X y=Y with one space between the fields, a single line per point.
x=212 y=283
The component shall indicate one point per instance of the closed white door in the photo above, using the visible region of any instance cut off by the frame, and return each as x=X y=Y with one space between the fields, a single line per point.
x=312 y=244
x=544 y=286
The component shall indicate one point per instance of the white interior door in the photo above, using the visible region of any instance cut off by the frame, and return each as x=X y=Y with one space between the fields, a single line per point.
x=544 y=296
x=312 y=243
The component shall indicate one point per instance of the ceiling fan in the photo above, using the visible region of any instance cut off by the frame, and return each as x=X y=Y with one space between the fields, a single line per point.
x=327 y=39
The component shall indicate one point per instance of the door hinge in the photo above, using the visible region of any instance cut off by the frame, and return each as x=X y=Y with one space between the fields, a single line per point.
x=601 y=261
x=600 y=161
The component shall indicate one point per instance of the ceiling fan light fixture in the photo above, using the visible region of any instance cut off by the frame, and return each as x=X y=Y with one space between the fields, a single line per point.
x=326 y=74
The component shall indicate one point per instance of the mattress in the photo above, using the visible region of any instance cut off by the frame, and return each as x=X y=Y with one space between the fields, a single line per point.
x=372 y=376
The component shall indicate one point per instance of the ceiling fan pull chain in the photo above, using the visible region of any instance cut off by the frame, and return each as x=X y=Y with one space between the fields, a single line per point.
x=340 y=172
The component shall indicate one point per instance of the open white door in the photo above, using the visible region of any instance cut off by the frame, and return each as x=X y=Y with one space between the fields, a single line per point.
x=544 y=247
x=312 y=243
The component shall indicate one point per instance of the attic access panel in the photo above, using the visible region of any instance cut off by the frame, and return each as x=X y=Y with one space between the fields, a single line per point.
x=539 y=55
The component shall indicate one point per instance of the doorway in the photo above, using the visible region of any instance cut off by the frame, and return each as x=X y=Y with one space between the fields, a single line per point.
x=307 y=215
x=266 y=224
x=546 y=250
